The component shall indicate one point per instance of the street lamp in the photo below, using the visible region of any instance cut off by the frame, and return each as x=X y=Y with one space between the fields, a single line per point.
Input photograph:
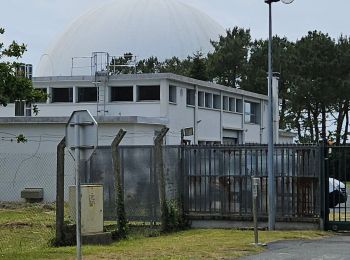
x=271 y=176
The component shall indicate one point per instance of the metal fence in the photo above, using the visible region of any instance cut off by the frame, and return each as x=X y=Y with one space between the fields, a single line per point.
x=139 y=180
x=213 y=181
x=337 y=169
x=219 y=181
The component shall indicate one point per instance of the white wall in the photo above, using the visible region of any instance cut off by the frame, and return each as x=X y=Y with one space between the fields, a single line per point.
x=33 y=164
x=232 y=120
x=209 y=128
x=180 y=115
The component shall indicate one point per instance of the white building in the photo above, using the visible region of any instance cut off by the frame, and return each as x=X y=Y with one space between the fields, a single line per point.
x=141 y=104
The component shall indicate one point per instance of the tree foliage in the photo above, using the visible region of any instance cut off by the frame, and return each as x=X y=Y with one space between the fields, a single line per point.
x=314 y=77
x=227 y=64
x=13 y=86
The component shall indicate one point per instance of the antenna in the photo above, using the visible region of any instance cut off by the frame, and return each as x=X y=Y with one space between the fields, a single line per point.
x=287 y=1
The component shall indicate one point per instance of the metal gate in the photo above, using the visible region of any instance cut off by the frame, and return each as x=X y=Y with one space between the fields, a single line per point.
x=337 y=187
x=218 y=181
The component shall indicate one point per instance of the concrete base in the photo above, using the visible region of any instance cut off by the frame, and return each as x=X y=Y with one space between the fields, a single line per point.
x=104 y=238
x=249 y=225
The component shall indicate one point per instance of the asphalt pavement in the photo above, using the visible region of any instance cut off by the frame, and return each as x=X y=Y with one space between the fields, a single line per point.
x=334 y=247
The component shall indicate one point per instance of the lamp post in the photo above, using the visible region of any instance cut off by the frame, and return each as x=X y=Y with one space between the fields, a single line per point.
x=271 y=176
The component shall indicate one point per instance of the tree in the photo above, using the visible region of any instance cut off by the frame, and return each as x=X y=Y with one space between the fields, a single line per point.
x=150 y=65
x=257 y=67
x=315 y=80
x=123 y=64
x=176 y=66
x=12 y=85
x=227 y=64
x=198 y=67
x=341 y=102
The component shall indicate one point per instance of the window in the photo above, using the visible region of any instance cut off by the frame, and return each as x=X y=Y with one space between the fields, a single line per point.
x=44 y=91
x=24 y=70
x=225 y=103
x=232 y=105
x=190 y=97
x=172 y=94
x=62 y=95
x=87 y=94
x=148 y=93
x=23 y=108
x=122 y=93
x=208 y=100
x=229 y=141
x=216 y=101
x=239 y=106
x=201 y=99
x=251 y=112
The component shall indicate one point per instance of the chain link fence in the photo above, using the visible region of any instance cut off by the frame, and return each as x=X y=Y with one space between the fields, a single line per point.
x=19 y=171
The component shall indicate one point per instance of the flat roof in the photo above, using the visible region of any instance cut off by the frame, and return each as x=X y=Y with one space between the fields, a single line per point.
x=152 y=76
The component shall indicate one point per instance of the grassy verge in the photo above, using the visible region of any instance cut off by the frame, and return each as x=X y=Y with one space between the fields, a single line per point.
x=25 y=232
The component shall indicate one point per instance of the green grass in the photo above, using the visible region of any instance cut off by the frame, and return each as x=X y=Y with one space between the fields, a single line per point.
x=26 y=231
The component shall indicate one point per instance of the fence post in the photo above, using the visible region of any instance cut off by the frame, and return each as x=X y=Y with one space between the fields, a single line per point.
x=255 y=188
x=181 y=181
x=159 y=170
x=119 y=192
x=60 y=191
x=323 y=184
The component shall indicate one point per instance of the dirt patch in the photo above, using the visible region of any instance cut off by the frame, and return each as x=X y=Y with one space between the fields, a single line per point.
x=16 y=224
x=25 y=205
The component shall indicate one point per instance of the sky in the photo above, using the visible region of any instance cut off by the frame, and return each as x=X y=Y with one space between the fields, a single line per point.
x=39 y=22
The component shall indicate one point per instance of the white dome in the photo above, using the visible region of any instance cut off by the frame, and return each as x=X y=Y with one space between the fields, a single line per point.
x=161 y=28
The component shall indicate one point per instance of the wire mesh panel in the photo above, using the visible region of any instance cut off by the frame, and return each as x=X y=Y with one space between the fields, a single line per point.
x=172 y=171
x=100 y=171
x=38 y=170
x=139 y=182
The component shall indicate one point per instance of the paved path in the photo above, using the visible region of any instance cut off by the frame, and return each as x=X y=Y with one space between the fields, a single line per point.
x=335 y=247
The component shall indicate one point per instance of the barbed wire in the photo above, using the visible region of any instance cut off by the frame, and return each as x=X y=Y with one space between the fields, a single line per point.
x=20 y=164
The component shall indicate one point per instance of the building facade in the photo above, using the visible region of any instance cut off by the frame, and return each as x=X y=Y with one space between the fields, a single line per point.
x=196 y=112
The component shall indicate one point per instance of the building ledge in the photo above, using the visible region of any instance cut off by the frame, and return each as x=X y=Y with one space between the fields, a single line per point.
x=100 y=119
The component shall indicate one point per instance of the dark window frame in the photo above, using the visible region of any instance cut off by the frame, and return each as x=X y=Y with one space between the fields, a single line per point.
x=125 y=97
x=201 y=102
x=251 y=112
x=239 y=105
x=143 y=96
x=172 y=94
x=190 y=97
x=61 y=99
x=87 y=97
x=208 y=100
x=216 y=101
x=23 y=108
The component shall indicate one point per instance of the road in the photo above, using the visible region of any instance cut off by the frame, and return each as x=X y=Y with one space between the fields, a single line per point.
x=334 y=247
